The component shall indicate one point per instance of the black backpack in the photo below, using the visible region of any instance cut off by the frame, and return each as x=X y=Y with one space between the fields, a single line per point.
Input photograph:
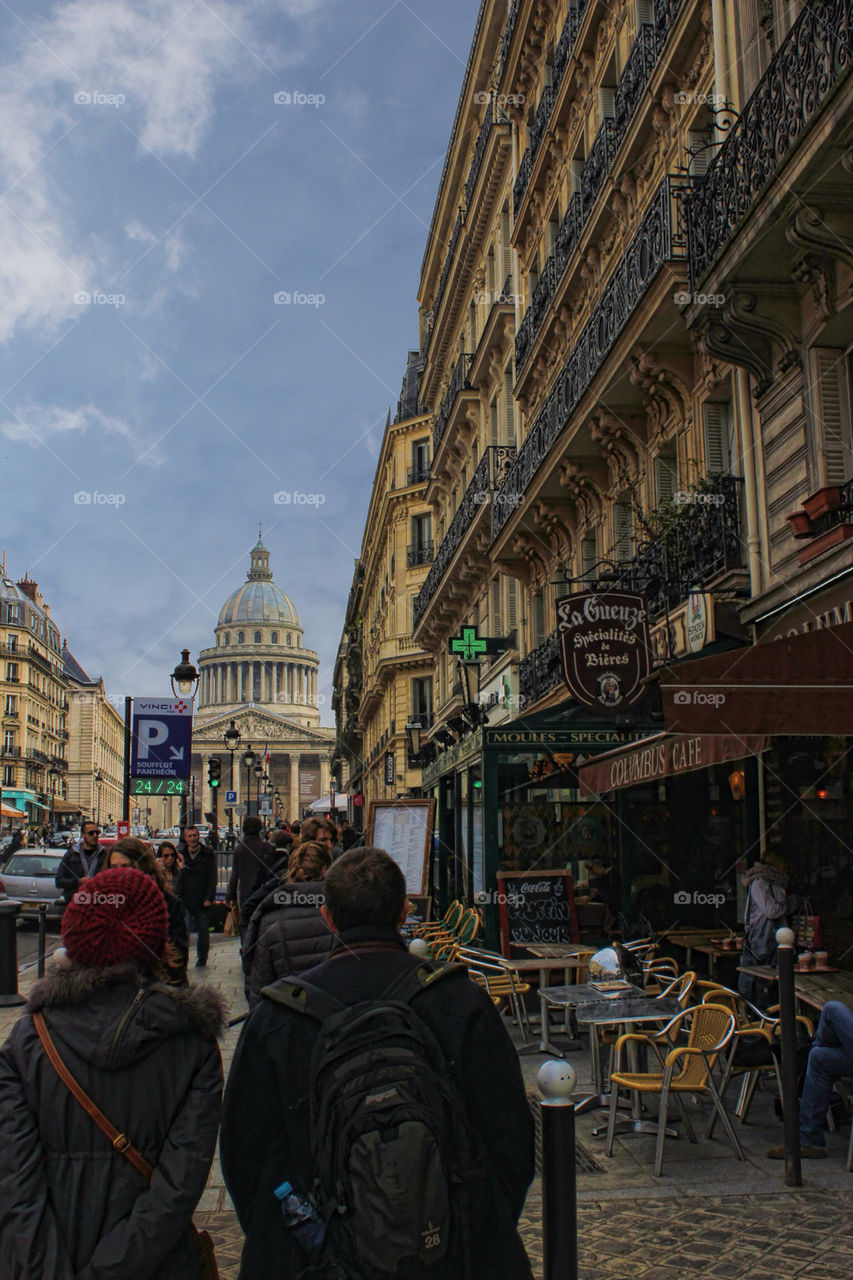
x=400 y=1174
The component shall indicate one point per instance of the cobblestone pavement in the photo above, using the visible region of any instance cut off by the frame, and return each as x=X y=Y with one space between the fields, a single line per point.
x=710 y=1217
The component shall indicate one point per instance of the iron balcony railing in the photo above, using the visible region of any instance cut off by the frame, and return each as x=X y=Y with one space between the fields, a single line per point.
x=458 y=382
x=508 y=32
x=487 y=479
x=702 y=540
x=659 y=239
x=602 y=153
x=534 y=141
x=808 y=66
x=422 y=554
x=448 y=262
x=419 y=474
x=479 y=151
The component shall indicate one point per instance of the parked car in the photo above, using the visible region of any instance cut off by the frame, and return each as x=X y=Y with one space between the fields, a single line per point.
x=28 y=878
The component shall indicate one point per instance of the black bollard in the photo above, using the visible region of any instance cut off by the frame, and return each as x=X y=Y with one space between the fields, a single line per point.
x=9 y=955
x=42 y=945
x=788 y=1029
x=559 y=1183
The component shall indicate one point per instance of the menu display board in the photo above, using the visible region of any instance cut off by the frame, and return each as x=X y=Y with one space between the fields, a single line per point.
x=536 y=907
x=403 y=828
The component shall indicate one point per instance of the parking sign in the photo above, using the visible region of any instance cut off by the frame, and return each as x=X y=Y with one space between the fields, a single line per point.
x=161 y=737
x=230 y=798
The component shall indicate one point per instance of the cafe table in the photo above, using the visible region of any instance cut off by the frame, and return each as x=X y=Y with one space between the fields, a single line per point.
x=812 y=987
x=544 y=967
x=624 y=1013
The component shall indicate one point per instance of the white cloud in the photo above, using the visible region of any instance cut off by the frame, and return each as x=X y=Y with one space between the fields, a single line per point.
x=35 y=424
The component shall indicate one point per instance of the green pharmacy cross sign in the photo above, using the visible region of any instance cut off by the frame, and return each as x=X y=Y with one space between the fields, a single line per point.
x=470 y=646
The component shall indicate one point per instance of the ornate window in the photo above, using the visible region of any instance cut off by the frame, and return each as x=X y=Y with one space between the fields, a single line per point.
x=274 y=637
x=257 y=637
x=241 y=637
x=289 y=640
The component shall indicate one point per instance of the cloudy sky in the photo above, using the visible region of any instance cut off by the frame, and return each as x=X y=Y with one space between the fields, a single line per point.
x=167 y=168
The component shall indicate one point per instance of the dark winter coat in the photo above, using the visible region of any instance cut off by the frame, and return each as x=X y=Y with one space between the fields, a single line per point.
x=71 y=870
x=286 y=935
x=178 y=935
x=260 y=1146
x=253 y=859
x=198 y=879
x=275 y=877
x=72 y=1208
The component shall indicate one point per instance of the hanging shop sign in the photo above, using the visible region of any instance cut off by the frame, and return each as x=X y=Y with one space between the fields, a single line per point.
x=604 y=641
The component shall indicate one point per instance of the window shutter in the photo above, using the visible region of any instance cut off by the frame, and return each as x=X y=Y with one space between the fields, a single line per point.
x=832 y=414
x=623 y=517
x=607 y=103
x=666 y=479
x=538 y=619
x=576 y=171
x=495 y=619
x=493 y=423
x=717 y=459
x=492 y=284
x=506 y=232
x=509 y=408
x=512 y=605
x=644 y=10
x=698 y=143
x=589 y=556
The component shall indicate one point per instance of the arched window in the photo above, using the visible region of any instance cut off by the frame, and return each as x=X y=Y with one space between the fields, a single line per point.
x=226 y=639
x=289 y=640
x=241 y=637
x=274 y=638
x=257 y=637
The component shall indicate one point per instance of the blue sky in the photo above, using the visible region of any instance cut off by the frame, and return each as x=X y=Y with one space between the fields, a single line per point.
x=155 y=200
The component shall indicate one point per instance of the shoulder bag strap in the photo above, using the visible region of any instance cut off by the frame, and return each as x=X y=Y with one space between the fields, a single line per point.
x=120 y=1141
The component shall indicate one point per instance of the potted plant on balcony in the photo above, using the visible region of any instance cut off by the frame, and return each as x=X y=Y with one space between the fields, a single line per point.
x=801 y=524
x=823 y=500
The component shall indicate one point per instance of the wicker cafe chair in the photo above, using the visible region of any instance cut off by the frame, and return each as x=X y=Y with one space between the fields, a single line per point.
x=746 y=1058
x=658 y=972
x=685 y=1069
x=500 y=982
x=447 y=925
x=466 y=931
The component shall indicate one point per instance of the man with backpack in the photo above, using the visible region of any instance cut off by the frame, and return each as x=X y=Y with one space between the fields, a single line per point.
x=382 y=1094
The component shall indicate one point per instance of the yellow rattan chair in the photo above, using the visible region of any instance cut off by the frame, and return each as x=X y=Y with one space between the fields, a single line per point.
x=447 y=925
x=685 y=1069
x=501 y=981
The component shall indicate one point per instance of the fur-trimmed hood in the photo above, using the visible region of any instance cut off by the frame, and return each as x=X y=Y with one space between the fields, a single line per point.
x=763 y=871
x=112 y=1014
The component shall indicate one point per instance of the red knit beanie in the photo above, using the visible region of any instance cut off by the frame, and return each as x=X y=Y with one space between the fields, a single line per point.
x=117 y=916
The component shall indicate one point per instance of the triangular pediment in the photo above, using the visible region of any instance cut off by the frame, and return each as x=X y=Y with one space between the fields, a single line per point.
x=258 y=726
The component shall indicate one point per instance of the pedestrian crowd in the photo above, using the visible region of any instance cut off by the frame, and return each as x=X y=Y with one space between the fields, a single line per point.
x=358 y=1132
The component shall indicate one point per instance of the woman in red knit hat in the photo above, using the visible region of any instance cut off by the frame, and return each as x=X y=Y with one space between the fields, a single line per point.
x=74 y=1204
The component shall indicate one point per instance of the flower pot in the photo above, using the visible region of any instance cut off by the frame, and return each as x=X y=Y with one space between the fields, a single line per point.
x=826 y=499
x=801 y=525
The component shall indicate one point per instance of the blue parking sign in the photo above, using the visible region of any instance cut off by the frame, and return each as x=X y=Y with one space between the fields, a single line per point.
x=161 y=737
x=230 y=797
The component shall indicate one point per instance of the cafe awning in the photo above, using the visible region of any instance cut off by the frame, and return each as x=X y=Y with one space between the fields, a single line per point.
x=664 y=755
x=801 y=685
x=8 y=811
x=65 y=806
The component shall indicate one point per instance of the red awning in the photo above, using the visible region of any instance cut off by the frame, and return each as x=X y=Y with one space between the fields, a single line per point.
x=799 y=686
x=664 y=756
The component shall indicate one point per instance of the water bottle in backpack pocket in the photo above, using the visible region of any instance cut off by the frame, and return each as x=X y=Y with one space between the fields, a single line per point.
x=400 y=1174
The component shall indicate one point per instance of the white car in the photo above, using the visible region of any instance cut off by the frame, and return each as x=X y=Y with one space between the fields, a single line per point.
x=28 y=878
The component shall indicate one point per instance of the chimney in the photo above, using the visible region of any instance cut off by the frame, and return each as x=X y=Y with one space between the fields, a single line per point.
x=31 y=589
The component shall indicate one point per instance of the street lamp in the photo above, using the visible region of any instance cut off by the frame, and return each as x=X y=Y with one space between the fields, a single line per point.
x=233 y=738
x=248 y=761
x=99 y=777
x=259 y=770
x=185 y=677
x=52 y=774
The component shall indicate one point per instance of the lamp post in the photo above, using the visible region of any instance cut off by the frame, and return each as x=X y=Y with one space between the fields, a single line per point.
x=52 y=774
x=248 y=762
x=259 y=770
x=232 y=744
x=184 y=681
x=277 y=795
x=99 y=777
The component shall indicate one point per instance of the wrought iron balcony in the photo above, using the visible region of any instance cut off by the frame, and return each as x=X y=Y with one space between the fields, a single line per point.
x=540 y=672
x=458 y=382
x=418 y=474
x=448 y=262
x=659 y=239
x=508 y=32
x=632 y=82
x=702 y=539
x=419 y=555
x=534 y=141
x=487 y=479
x=806 y=69
x=479 y=151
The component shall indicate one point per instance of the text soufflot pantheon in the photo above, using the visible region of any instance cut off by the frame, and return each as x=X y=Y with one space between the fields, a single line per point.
x=259 y=675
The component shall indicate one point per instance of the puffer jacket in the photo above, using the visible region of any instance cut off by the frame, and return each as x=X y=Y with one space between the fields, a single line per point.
x=72 y=1208
x=286 y=935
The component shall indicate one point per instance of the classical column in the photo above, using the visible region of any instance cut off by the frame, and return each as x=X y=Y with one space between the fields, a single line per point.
x=295 y=809
x=324 y=775
x=275 y=683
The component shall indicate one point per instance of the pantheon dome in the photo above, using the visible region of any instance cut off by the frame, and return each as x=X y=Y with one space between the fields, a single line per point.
x=259 y=658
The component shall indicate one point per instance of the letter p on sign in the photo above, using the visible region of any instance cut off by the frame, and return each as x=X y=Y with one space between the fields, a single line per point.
x=152 y=733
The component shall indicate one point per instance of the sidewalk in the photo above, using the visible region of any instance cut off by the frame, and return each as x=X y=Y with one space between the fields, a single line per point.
x=710 y=1217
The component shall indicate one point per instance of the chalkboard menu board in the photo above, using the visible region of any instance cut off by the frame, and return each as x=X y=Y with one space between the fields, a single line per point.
x=403 y=828
x=536 y=908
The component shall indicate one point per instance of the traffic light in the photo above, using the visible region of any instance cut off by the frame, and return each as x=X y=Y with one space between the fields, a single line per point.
x=214 y=771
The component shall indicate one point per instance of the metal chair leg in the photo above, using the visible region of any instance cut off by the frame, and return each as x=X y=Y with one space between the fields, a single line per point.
x=611 y=1119
x=691 y=1133
x=727 y=1125
x=661 y=1138
x=727 y=1075
x=746 y=1094
x=850 y=1151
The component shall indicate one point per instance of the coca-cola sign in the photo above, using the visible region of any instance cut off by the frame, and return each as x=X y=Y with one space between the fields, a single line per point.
x=604 y=640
